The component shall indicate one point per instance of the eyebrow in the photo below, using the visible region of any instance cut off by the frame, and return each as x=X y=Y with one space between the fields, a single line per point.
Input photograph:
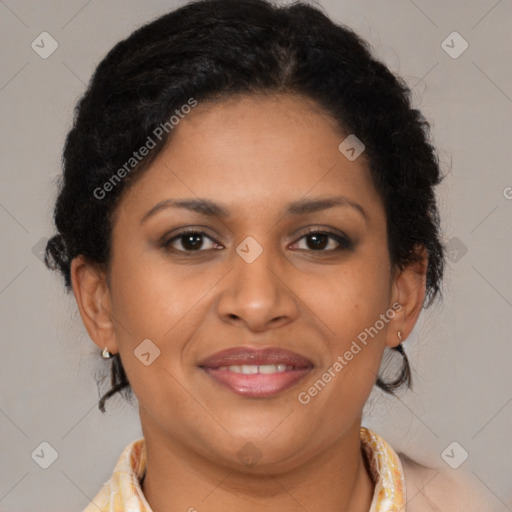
x=211 y=209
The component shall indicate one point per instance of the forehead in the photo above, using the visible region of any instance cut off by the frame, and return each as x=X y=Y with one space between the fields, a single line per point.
x=254 y=152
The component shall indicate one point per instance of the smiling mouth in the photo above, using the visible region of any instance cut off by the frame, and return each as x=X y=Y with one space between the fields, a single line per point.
x=257 y=373
x=251 y=369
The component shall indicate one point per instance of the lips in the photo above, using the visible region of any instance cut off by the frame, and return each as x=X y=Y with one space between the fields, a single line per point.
x=256 y=373
x=249 y=356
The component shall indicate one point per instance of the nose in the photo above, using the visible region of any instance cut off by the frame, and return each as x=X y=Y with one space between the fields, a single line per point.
x=256 y=295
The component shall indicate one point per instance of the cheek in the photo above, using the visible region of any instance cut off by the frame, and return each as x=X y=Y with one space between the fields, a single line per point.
x=350 y=304
x=156 y=311
x=154 y=301
x=151 y=298
x=351 y=298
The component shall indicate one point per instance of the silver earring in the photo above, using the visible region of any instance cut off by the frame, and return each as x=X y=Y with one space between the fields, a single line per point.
x=106 y=354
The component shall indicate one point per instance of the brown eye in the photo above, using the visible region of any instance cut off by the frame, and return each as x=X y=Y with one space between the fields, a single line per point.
x=189 y=241
x=325 y=241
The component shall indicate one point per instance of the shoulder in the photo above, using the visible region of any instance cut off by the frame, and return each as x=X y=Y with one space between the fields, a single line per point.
x=440 y=489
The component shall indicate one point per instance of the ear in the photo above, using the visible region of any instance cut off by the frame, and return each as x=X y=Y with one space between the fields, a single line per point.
x=408 y=294
x=93 y=298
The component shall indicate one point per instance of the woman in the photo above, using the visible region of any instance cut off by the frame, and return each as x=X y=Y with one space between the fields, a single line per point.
x=247 y=220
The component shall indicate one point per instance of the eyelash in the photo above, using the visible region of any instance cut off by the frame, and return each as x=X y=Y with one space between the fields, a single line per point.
x=344 y=242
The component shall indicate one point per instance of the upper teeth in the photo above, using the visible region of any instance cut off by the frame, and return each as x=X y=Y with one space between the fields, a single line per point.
x=249 y=369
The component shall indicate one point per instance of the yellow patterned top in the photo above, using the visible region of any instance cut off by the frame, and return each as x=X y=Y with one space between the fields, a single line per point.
x=123 y=493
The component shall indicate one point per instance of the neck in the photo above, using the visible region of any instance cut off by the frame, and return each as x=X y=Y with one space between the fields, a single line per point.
x=178 y=479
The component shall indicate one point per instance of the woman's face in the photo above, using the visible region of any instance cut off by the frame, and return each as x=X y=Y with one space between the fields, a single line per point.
x=252 y=278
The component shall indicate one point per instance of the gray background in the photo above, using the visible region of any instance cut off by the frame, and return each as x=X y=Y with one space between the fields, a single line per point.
x=460 y=349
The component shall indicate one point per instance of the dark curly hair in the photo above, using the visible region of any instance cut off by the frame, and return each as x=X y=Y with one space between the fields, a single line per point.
x=215 y=49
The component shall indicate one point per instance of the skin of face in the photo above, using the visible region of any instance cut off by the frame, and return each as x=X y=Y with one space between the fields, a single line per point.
x=252 y=155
